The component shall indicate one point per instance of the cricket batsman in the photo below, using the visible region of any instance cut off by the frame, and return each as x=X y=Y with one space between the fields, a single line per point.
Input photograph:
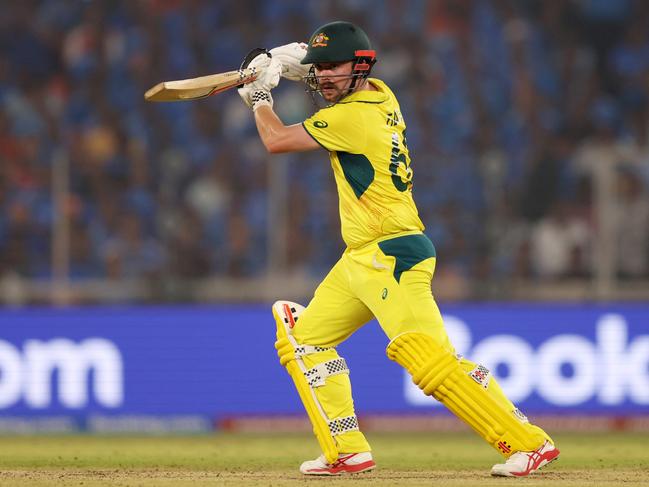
x=386 y=268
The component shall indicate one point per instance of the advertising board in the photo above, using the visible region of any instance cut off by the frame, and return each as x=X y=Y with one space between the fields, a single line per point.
x=186 y=367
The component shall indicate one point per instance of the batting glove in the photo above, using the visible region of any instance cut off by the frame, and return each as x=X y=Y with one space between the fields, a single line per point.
x=257 y=93
x=255 y=98
x=290 y=55
x=270 y=72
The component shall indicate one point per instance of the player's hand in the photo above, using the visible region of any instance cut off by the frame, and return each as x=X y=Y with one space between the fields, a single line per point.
x=257 y=93
x=269 y=67
x=255 y=97
x=271 y=70
x=290 y=55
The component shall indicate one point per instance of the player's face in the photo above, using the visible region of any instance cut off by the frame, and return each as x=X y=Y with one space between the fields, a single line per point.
x=334 y=79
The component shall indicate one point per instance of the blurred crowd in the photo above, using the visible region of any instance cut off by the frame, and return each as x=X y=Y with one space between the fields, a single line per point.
x=511 y=108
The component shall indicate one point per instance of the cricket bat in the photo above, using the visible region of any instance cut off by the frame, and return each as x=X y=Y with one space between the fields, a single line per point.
x=202 y=87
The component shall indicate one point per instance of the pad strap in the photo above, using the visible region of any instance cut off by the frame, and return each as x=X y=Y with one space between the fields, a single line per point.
x=316 y=376
x=286 y=315
x=302 y=350
x=338 y=426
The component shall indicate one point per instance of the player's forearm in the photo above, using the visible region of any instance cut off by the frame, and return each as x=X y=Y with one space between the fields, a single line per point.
x=271 y=129
x=277 y=137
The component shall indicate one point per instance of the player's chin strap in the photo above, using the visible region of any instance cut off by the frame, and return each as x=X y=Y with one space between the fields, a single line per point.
x=361 y=69
x=362 y=66
x=306 y=379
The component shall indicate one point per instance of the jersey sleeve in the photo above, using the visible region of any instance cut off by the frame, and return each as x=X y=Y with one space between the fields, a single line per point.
x=337 y=128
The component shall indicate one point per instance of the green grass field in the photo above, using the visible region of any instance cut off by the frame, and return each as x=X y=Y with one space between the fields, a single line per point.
x=226 y=459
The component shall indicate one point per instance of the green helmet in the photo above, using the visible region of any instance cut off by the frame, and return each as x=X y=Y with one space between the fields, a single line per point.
x=338 y=42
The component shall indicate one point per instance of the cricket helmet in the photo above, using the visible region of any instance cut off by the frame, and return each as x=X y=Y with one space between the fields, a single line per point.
x=337 y=42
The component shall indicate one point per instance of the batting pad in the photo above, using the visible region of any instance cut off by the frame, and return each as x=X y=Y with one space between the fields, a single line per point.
x=307 y=379
x=438 y=373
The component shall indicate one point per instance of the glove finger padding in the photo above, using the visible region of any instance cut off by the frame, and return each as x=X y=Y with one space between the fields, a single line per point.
x=290 y=56
x=258 y=57
x=262 y=61
x=257 y=93
x=253 y=54
x=269 y=76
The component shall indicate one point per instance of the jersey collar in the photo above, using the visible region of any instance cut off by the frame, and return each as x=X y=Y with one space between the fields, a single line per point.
x=366 y=96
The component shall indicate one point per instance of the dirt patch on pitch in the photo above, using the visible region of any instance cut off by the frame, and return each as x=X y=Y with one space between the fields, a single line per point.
x=379 y=478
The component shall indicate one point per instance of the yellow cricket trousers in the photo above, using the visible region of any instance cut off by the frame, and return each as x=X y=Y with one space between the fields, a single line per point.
x=390 y=280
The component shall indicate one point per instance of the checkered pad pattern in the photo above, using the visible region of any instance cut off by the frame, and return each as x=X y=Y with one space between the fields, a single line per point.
x=316 y=376
x=336 y=366
x=302 y=350
x=339 y=426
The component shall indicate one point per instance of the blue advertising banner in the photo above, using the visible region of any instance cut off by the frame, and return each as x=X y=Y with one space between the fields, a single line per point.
x=219 y=361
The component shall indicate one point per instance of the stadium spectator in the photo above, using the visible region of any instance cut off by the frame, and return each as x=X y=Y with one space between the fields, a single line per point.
x=510 y=108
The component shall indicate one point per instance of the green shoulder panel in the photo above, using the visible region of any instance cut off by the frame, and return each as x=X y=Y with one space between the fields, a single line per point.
x=408 y=251
x=358 y=171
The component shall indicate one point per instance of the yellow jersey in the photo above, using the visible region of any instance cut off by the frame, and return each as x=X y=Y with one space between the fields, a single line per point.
x=365 y=135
